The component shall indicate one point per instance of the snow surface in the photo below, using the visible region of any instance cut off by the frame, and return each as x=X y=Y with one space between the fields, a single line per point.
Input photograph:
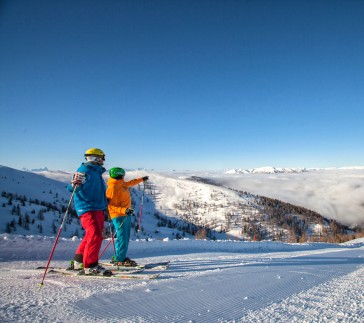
x=208 y=281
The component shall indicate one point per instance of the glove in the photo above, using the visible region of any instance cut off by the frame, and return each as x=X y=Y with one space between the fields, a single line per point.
x=78 y=179
x=129 y=211
x=145 y=178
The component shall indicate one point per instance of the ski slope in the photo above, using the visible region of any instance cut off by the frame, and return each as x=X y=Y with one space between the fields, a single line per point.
x=208 y=281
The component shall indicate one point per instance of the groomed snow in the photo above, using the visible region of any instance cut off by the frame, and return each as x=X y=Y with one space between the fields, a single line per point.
x=221 y=281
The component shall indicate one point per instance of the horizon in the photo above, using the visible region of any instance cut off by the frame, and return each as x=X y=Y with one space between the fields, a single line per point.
x=182 y=85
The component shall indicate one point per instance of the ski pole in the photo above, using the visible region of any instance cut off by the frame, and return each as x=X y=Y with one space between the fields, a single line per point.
x=141 y=208
x=59 y=233
x=110 y=229
x=114 y=235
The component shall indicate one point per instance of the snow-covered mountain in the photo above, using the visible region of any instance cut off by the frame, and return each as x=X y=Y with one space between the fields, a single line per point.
x=33 y=204
x=35 y=170
x=39 y=199
x=172 y=207
x=175 y=205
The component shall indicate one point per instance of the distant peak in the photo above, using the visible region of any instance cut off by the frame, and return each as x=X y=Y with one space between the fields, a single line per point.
x=36 y=170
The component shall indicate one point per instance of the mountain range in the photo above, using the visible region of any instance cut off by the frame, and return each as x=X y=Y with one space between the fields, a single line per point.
x=175 y=206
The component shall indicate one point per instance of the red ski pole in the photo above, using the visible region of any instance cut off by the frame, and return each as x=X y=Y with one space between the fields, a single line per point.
x=59 y=233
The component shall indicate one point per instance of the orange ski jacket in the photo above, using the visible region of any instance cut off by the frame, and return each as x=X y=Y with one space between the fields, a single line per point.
x=118 y=196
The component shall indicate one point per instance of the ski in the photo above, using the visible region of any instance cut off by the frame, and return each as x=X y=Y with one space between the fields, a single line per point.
x=115 y=274
x=156 y=266
x=126 y=270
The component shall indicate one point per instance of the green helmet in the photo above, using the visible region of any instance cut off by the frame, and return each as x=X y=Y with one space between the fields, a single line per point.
x=116 y=172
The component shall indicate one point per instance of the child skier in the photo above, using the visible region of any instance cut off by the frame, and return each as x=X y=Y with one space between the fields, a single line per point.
x=119 y=205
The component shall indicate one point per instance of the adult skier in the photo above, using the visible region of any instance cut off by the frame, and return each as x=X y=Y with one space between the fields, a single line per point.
x=90 y=204
x=119 y=205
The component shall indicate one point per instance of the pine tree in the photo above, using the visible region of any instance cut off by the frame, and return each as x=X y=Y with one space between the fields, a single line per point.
x=41 y=215
x=27 y=218
x=54 y=228
x=18 y=210
x=8 y=228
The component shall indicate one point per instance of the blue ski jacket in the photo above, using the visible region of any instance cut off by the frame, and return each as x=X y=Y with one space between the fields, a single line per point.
x=90 y=196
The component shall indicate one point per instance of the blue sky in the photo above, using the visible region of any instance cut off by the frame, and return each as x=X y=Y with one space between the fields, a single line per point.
x=198 y=85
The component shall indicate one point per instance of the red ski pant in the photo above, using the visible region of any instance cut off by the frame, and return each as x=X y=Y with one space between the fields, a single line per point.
x=93 y=223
